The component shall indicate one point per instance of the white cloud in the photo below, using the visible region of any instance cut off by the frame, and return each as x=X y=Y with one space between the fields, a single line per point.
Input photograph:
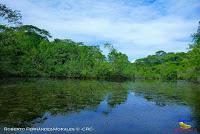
x=137 y=28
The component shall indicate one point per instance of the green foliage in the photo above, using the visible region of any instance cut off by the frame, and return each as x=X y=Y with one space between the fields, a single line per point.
x=10 y=15
x=120 y=66
x=162 y=66
x=194 y=54
x=171 y=66
x=26 y=51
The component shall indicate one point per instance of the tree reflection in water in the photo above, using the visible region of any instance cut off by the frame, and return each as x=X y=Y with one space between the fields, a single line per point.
x=24 y=103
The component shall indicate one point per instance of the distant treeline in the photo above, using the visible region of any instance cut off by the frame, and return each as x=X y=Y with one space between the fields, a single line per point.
x=26 y=51
x=172 y=66
x=168 y=66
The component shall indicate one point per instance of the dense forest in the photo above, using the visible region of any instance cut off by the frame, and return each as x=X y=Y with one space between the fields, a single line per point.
x=28 y=51
x=172 y=66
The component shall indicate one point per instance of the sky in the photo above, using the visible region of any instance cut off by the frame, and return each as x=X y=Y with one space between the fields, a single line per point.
x=135 y=27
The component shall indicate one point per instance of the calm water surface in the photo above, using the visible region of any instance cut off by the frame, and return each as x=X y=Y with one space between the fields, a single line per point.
x=140 y=107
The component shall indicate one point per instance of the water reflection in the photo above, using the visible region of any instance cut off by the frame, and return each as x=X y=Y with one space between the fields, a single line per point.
x=130 y=105
x=23 y=102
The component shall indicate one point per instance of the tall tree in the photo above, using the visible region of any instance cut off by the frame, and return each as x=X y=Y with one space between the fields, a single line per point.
x=12 y=16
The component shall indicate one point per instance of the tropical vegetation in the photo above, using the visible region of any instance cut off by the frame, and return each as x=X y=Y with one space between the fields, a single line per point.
x=28 y=51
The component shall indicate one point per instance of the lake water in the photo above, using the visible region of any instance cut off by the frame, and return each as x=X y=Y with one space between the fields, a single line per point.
x=99 y=107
